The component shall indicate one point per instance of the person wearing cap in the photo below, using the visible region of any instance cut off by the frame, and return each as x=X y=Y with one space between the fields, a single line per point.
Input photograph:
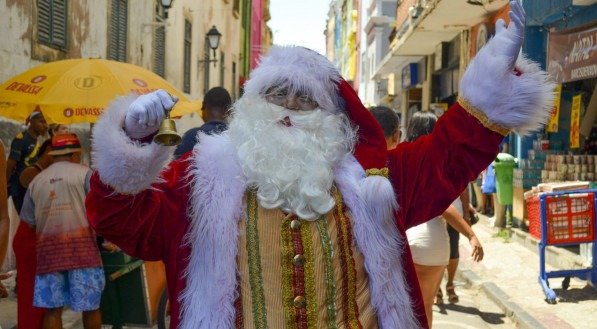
x=295 y=215
x=68 y=265
x=23 y=152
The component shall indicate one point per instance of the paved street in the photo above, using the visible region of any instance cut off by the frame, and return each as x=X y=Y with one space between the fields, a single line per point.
x=474 y=310
x=508 y=276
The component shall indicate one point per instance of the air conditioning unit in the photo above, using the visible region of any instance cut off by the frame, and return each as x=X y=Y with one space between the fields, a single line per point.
x=382 y=86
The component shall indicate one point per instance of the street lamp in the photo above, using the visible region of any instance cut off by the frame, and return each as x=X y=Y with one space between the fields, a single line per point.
x=213 y=38
x=166 y=4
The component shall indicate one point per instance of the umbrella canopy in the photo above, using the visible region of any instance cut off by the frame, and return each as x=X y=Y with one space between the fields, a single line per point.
x=77 y=90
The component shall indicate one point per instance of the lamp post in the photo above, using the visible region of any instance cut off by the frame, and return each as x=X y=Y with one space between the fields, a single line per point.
x=213 y=39
x=166 y=4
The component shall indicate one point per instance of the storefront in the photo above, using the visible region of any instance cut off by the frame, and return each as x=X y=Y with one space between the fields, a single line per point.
x=566 y=150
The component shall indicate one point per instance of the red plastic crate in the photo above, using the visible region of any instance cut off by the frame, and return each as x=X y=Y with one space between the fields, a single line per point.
x=570 y=218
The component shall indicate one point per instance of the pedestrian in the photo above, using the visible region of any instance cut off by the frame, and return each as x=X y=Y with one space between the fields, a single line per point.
x=4 y=220
x=29 y=316
x=23 y=152
x=58 y=128
x=214 y=112
x=295 y=215
x=454 y=236
x=390 y=123
x=69 y=269
x=429 y=241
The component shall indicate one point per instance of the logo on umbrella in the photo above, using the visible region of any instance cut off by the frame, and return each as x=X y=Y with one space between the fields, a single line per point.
x=89 y=82
x=68 y=112
x=38 y=79
x=140 y=83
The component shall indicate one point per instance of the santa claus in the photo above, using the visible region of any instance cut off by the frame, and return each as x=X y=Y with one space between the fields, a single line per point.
x=295 y=216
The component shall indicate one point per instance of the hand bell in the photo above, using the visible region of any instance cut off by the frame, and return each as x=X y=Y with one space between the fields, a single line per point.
x=167 y=134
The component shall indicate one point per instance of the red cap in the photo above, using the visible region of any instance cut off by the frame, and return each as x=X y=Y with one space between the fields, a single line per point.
x=65 y=144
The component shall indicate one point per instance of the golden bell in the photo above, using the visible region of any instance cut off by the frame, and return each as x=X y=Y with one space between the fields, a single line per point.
x=167 y=134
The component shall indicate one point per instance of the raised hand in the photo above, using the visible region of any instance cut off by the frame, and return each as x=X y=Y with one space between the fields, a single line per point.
x=509 y=39
x=147 y=112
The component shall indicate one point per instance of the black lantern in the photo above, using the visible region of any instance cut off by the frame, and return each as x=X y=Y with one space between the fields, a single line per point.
x=213 y=37
x=166 y=3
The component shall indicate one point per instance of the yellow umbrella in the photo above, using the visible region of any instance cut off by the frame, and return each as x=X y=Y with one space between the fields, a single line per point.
x=77 y=90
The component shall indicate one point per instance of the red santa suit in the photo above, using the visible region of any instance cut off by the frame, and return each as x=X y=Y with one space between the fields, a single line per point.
x=232 y=263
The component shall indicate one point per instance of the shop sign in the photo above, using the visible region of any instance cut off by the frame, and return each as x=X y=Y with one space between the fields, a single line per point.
x=575 y=122
x=409 y=76
x=572 y=54
x=552 y=126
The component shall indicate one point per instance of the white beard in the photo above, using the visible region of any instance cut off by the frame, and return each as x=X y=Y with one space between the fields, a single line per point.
x=291 y=167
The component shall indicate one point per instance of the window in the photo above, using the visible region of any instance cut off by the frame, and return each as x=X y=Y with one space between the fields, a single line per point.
x=159 y=43
x=222 y=68
x=233 y=81
x=188 y=33
x=236 y=8
x=51 y=23
x=118 y=31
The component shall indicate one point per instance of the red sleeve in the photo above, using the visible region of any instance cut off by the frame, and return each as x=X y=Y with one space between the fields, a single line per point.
x=430 y=173
x=145 y=225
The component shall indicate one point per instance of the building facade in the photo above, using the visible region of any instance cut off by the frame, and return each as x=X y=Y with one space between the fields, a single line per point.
x=171 y=42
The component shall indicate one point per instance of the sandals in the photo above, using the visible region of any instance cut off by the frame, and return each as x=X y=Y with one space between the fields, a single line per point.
x=452 y=297
x=439 y=297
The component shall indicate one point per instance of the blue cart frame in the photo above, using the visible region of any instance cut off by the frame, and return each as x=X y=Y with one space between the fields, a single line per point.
x=589 y=274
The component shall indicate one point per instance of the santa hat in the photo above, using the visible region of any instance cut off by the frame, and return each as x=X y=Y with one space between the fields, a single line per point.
x=303 y=70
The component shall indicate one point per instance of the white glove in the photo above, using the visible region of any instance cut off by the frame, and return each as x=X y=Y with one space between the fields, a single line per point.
x=147 y=112
x=509 y=40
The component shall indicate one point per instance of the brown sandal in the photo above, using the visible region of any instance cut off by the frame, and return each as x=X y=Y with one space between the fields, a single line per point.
x=439 y=297
x=452 y=297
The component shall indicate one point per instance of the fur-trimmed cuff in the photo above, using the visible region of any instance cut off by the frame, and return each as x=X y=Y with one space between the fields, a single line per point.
x=126 y=165
x=521 y=103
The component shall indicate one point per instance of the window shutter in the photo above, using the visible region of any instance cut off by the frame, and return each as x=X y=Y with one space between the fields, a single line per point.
x=52 y=23
x=188 y=31
x=159 y=51
x=43 y=20
x=222 y=61
x=59 y=23
x=118 y=30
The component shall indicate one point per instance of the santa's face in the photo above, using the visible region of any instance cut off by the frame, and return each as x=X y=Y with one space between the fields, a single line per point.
x=289 y=154
x=294 y=101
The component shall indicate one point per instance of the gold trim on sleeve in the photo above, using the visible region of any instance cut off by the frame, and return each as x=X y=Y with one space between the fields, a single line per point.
x=483 y=119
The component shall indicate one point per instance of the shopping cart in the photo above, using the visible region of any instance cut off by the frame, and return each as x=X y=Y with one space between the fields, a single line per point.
x=563 y=218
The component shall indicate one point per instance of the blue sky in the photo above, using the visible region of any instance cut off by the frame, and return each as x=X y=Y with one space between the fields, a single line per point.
x=299 y=22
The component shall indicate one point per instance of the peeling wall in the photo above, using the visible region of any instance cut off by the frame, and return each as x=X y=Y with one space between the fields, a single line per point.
x=88 y=23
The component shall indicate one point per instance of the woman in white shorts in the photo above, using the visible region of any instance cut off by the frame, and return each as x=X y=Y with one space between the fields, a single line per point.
x=429 y=242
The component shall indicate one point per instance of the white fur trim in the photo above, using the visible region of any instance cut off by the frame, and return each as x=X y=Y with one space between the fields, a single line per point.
x=124 y=164
x=380 y=242
x=300 y=69
x=218 y=186
x=520 y=103
x=217 y=192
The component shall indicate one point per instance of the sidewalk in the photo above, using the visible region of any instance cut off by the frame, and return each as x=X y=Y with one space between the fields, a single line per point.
x=509 y=276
